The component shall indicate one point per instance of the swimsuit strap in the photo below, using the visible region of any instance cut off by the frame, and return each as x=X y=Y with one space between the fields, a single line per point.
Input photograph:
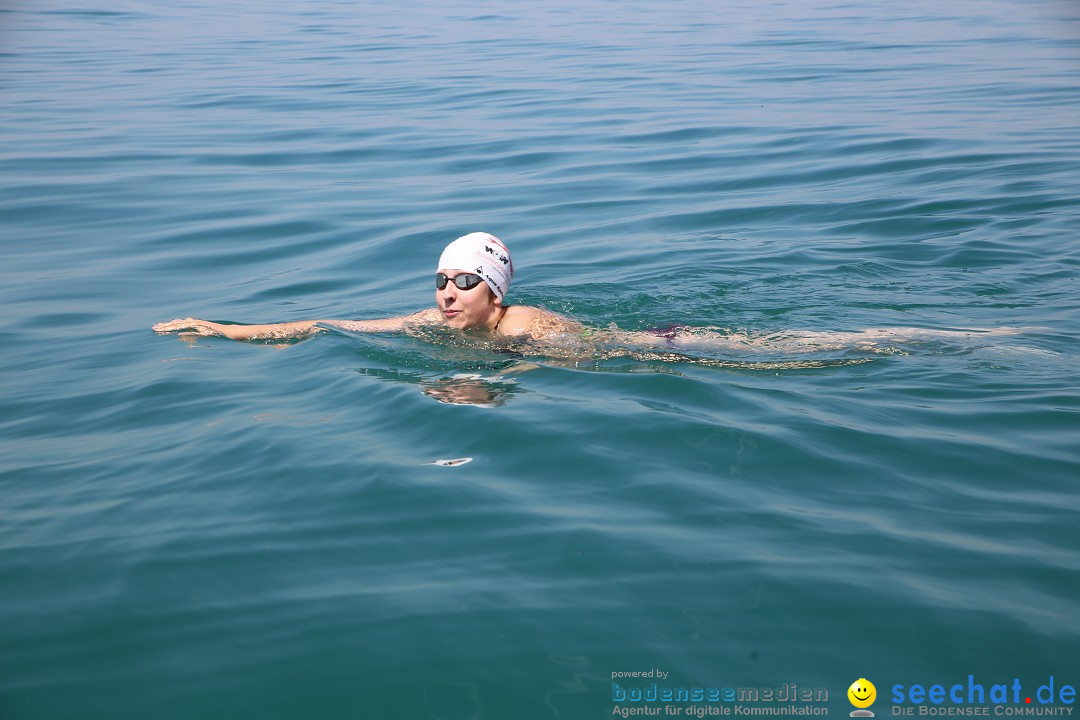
x=496 y=328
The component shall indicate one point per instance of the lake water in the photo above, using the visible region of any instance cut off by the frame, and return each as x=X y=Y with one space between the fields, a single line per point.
x=213 y=529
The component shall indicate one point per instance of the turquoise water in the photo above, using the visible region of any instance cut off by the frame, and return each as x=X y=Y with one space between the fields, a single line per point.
x=212 y=529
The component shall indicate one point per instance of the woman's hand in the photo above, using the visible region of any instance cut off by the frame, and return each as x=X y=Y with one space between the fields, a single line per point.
x=191 y=326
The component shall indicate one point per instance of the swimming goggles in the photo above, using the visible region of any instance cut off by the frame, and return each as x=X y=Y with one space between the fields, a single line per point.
x=464 y=281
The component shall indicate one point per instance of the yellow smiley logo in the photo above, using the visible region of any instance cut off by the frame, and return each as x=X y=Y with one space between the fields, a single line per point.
x=862 y=693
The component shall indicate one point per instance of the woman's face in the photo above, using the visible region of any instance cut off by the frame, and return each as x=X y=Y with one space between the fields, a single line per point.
x=466 y=309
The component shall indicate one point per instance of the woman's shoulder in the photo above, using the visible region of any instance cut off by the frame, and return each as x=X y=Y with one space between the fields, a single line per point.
x=536 y=322
x=428 y=316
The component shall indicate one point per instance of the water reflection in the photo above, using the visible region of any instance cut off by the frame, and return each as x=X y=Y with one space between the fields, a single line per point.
x=457 y=389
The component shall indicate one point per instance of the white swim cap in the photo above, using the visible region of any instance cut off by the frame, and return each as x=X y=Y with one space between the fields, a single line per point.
x=483 y=254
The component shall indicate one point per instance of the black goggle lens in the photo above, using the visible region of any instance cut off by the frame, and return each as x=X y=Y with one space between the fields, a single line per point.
x=464 y=281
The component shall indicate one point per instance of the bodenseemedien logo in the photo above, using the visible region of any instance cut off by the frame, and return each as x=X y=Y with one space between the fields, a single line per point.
x=862 y=694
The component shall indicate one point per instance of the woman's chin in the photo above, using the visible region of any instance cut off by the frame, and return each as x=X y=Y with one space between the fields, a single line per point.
x=456 y=321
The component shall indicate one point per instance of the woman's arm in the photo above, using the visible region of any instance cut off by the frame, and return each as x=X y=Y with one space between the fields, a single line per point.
x=274 y=331
x=430 y=316
x=292 y=330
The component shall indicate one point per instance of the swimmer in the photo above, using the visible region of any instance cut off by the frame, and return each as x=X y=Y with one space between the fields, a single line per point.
x=473 y=276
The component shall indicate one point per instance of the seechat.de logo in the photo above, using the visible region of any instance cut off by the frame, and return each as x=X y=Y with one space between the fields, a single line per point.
x=862 y=695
